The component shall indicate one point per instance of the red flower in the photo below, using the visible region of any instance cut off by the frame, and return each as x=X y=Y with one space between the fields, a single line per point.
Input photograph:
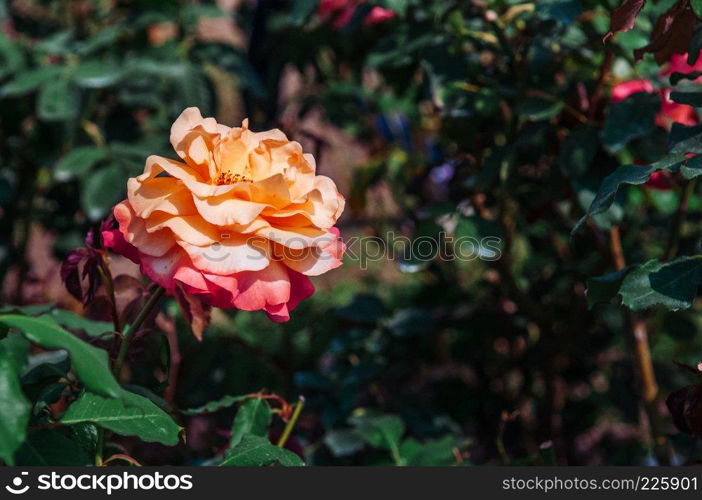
x=678 y=64
x=340 y=12
x=661 y=180
x=670 y=112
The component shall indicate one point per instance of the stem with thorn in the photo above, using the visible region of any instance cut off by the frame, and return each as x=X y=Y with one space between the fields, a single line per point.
x=291 y=423
x=641 y=352
x=134 y=327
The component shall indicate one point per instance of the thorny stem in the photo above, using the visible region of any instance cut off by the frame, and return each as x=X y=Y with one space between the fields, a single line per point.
x=643 y=362
x=126 y=340
x=134 y=327
x=291 y=423
x=110 y=286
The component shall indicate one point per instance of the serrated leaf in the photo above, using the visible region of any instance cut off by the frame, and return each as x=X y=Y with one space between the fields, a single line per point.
x=213 y=406
x=78 y=162
x=133 y=416
x=257 y=451
x=90 y=363
x=58 y=100
x=101 y=191
x=628 y=174
x=254 y=417
x=14 y=406
x=672 y=284
x=602 y=289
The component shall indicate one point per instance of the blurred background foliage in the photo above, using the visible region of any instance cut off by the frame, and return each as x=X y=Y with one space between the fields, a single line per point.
x=469 y=118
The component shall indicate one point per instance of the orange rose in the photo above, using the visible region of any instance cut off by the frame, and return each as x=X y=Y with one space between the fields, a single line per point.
x=242 y=221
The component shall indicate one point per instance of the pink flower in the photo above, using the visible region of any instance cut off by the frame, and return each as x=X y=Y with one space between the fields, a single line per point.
x=678 y=64
x=661 y=180
x=670 y=112
x=340 y=13
x=378 y=15
x=623 y=90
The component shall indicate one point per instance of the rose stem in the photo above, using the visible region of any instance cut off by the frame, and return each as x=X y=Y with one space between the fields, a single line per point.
x=132 y=329
x=642 y=359
x=291 y=423
x=104 y=270
x=124 y=346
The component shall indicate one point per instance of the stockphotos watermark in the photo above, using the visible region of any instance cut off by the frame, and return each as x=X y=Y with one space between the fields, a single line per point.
x=362 y=249
x=106 y=483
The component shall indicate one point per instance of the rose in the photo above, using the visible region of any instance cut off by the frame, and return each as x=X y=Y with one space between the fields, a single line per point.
x=670 y=111
x=242 y=222
x=341 y=12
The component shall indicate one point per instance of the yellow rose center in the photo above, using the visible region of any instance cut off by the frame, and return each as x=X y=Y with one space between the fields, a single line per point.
x=230 y=178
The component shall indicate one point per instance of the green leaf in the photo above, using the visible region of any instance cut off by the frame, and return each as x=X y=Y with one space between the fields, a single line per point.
x=58 y=100
x=628 y=174
x=33 y=310
x=257 y=451
x=478 y=237
x=72 y=321
x=53 y=447
x=692 y=168
x=672 y=284
x=213 y=406
x=603 y=288
x=106 y=36
x=537 y=108
x=28 y=81
x=697 y=7
x=97 y=74
x=134 y=416
x=101 y=191
x=254 y=417
x=78 y=162
x=11 y=60
x=14 y=406
x=86 y=435
x=431 y=453
x=690 y=98
x=630 y=119
x=343 y=442
x=381 y=431
x=90 y=363
x=676 y=78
